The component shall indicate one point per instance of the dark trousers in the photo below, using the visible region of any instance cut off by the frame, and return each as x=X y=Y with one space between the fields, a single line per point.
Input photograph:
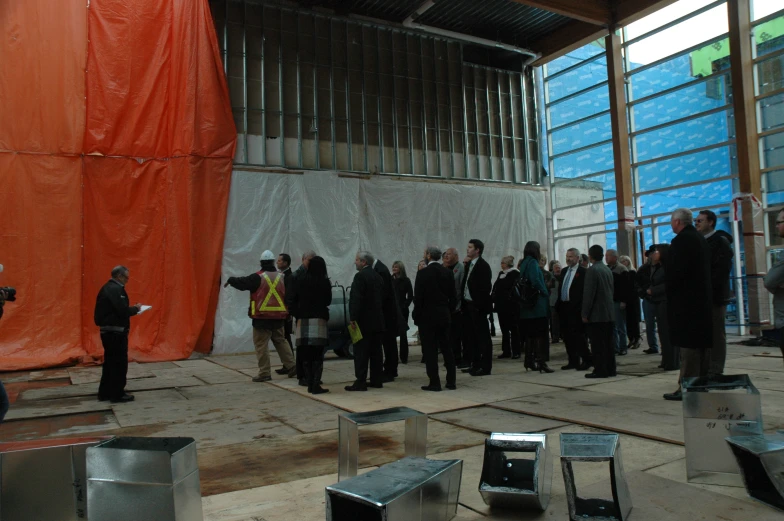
x=389 y=342
x=434 y=338
x=694 y=362
x=671 y=358
x=368 y=350
x=312 y=364
x=510 y=334
x=603 y=344
x=456 y=338
x=718 y=352
x=115 y=365
x=633 y=319
x=555 y=325
x=649 y=310
x=477 y=344
x=575 y=341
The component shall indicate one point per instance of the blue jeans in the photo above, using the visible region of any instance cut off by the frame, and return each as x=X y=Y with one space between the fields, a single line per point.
x=619 y=329
x=649 y=309
x=4 y=402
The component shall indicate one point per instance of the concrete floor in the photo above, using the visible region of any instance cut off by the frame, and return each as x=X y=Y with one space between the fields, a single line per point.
x=266 y=451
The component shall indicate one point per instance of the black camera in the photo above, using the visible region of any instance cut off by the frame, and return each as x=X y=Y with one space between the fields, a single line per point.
x=10 y=293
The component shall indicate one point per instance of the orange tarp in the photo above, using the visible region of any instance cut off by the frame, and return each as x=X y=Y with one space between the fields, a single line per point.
x=116 y=146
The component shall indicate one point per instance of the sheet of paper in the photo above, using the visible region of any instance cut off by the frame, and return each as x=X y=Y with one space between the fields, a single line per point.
x=144 y=308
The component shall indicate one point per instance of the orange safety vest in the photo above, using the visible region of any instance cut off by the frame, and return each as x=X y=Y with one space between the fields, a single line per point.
x=268 y=302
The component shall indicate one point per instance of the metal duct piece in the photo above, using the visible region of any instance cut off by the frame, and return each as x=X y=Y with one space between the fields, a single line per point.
x=595 y=448
x=140 y=479
x=348 y=435
x=55 y=468
x=761 y=462
x=713 y=409
x=410 y=489
x=509 y=481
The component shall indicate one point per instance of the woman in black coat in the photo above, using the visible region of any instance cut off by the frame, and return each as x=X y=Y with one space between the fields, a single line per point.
x=404 y=292
x=657 y=294
x=311 y=295
x=633 y=310
x=507 y=308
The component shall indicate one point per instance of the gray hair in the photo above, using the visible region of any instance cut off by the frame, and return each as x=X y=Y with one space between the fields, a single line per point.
x=612 y=253
x=684 y=215
x=508 y=260
x=574 y=250
x=367 y=257
x=434 y=252
x=119 y=270
x=309 y=254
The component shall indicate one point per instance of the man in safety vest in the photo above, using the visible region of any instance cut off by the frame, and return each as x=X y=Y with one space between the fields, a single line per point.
x=268 y=311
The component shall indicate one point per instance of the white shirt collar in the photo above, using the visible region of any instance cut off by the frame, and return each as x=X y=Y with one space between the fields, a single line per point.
x=708 y=235
x=432 y=262
x=374 y=263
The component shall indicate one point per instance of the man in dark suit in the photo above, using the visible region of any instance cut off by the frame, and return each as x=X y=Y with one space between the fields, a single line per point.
x=365 y=308
x=434 y=301
x=391 y=312
x=570 y=306
x=598 y=313
x=687 y=269
x=477 y=304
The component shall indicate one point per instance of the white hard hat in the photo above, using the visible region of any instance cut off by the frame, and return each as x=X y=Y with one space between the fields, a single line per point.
x=267 y=256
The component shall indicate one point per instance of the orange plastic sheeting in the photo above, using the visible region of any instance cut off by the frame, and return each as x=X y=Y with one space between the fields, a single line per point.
x=159 y=219
x=43 y=51
x=41 y=237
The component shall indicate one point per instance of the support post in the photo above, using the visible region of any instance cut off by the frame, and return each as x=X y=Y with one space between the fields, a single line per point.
x=620 y=140
x=749 y=178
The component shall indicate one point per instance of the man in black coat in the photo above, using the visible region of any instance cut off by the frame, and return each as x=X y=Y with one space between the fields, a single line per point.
x=477 y=304
x=366 y=310
x=113 y=315
x=569 y=306
x=720 y=244
x=283 y=264
x=434 y=301
x=391 y=312
x=689 y=297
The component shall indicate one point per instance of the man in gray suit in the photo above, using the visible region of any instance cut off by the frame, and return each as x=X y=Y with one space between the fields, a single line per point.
x=599 y=314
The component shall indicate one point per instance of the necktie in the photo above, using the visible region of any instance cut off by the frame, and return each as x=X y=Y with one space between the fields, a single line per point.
x=565 y=287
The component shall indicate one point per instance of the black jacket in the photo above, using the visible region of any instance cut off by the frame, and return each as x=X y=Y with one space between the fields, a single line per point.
x=720 y=244
x=434 y=296
x=689 y=295
x=643 y=280
x=657 y=283
x=404 y=293
x=309 y=297
x=388 y=298
x=479 y=284
x=502 y=293
x=251 y=283
x=112 y=307
x=572 y=310
x=365 y=301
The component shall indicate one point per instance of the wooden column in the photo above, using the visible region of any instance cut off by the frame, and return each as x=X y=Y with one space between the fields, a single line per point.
x=620 y=141
x=743 y=91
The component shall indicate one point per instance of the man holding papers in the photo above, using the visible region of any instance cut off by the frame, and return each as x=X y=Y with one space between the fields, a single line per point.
x=113 y=315
x=365 y=308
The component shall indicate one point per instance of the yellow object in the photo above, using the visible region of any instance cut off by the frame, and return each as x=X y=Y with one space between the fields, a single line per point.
x=356 y=334
x=272 y=291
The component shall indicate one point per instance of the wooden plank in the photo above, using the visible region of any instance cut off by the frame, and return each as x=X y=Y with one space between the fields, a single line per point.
x=596 y=12
x=566 y=39
x=629 y=11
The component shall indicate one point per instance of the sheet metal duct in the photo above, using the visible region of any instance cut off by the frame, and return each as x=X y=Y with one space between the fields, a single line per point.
x=761 y=463
x=51 y=469
x=410 y=489
x=509 y=481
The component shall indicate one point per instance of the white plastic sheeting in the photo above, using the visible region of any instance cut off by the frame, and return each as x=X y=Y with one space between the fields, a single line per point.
x=336 y=217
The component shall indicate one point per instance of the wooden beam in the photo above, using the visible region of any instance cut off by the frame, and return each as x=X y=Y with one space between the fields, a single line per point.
x=629 y=11
x=747 y=146
x=571 y=36
x=596 y=12
x=620 y=140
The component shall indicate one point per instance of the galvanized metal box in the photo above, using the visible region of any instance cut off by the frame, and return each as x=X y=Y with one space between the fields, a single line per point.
x=139 y=479
x=54 y=469
x=511 y=481
x=761 y=462
x=713 y=409
x=595 y=448
x=410 y=489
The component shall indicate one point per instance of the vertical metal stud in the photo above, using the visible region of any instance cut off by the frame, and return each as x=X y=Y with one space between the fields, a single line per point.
x=449 y=105
x=424 y=105
x=316 y=135
x=244 y=82
x=394 y=106
x=348 y=101
x=332 y=98
x=489 y=130
x=438 y=116
x=476 y=123
x=526 y=131
x=263 y=96
x=378 y=99
x=512 y=129
x=299 y=100
x=465 y=112
x=280 y=93
x=408 y=115
x=364 y=98
x=226 y=40
x=501 y=123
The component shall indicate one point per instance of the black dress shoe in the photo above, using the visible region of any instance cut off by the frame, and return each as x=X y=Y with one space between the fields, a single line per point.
x=468 y=369
x=569 y=366
x=622 y=352
x=594 y=375
x=102 y=398
x=451 y=387
x=675 y=397
x=376 y=386
x=356 y=387
x=282 y=370
x=516 y=357
x=431 y=388
x=651 y=351
x=584 y=366
x=504 y=355
x=124 y=398
x=479 y=372
x=386 y=379
x=463 y=365
x=302 y=382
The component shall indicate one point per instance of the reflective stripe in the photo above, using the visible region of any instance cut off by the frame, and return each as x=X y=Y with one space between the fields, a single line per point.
x=272 y=285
